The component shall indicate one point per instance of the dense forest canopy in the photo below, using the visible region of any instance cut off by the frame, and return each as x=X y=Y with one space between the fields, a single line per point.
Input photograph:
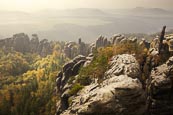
x=27 y=82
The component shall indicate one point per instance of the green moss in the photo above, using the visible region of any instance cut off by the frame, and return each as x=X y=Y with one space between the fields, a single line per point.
x=71 y=79
x=84 y=80
x=75 y=89
x=70 y=100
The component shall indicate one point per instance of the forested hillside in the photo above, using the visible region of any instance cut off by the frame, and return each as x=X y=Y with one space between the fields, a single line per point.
x=27 y=81
x=42 y=77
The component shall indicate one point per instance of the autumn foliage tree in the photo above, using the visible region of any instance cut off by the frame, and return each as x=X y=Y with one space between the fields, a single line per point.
x=27 y=82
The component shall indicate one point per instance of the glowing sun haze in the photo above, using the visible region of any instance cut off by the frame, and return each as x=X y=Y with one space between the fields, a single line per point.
x=35 y=5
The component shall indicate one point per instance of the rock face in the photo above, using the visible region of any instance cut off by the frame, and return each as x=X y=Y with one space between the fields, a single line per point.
x=44 y=48
x=83 y=48
x=72 y=49
x=34 y=43
x=119 y=38
x=124 y=65
x=160 y=90
x=22 y=43
x=69 y=70
x=169 y=42
x=102 y=42
x=120 y=93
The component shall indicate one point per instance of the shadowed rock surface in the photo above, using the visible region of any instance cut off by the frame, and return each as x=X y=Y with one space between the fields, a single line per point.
x=69 y=70
x=160 y=88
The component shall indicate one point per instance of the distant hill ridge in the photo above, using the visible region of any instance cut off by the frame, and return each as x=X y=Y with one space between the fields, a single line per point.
x=150 y=10
x=87 y=23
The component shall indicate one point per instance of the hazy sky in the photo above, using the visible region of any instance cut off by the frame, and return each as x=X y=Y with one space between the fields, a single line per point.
x=34 y=5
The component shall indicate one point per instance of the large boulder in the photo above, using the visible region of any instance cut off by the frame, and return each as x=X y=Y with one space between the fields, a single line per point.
x=120 y=93
x=160 y=89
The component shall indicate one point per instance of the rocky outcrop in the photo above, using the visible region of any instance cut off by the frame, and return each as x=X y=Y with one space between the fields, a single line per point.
x=83 y=48
x=19 y=42
x=102 y=42
x=72 y=49
x=69 y=70
x=119 y=38
x=124 y=65
x=120 y=93
x=116 y=39
x=22 y=43
x=160 y=90
x=34 y=43
x=44 y=48
x=144 y=44
x=169 y=42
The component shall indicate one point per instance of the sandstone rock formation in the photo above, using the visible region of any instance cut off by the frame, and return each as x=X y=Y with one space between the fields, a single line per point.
x=83 y=48
x=18 y=42
x=120 y=93
x=160 y=89
x=169 y=42
x=44 y=48
x=34 y=43
x=144 y=43
x=102 y=42
x=119 y=38
x=69 y=70
x=22 y=43
x=122 y=90
x=72 y=49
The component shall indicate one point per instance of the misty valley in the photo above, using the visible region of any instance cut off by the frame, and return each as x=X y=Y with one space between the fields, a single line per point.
x=87 y=23
x=85 y=57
